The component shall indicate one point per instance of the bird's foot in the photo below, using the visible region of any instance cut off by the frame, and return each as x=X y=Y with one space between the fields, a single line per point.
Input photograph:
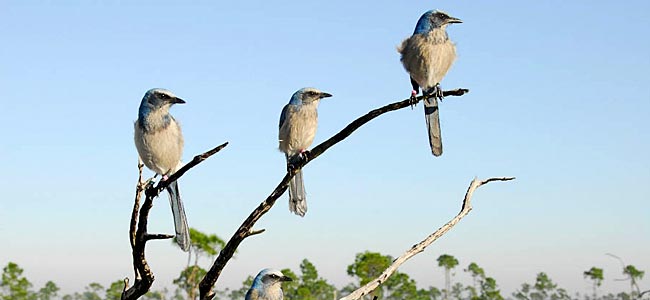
x=298 y=160
x=304 y=156
x=149 y=183
x=438 y=92
x=435 y=91
x=414 y=98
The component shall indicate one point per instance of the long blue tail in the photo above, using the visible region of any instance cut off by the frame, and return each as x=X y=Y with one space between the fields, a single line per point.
x=432 y=115
x=180 y=220
x=297 y=195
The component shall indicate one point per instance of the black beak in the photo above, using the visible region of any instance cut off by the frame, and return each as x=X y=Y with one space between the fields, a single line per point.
x=454 y=20
x=285 y=278
x=325 y=95
x=176 y=100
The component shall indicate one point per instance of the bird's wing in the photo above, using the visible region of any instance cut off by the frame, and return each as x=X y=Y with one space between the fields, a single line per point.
x=252 y=294
x=283 y=116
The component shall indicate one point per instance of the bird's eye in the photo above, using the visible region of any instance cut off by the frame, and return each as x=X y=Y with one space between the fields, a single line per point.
x=312 y=93
x=163 y=96
x=274 y=276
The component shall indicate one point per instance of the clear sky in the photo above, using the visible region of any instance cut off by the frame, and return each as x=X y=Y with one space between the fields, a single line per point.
x=560 y=98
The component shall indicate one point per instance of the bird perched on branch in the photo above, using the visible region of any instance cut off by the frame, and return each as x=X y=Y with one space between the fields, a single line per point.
x=298 y=123
x=159 y=141
x=267 y=285
x=427 y=55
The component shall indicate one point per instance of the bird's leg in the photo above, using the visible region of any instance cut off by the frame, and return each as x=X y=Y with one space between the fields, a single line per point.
x=434 y=91
x=414 y=92
x=150 y=181
x=304 y=156
x=413 y=99
x=299 y=159
x=438 y=92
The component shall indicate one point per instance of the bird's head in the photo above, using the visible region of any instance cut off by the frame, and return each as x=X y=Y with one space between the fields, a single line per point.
x=434 y=19
x=270 y=277
x=159 y=98
x=308 y=95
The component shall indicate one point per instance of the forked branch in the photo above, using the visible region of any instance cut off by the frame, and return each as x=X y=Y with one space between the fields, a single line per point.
x=138 y=234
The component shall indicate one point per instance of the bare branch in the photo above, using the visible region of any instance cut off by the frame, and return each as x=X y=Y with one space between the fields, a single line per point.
x=254 y=232
x=467 y=207
x=158 y=236
x=245 y=228
x=138 y=230
x=195 y=161
x=136 y=206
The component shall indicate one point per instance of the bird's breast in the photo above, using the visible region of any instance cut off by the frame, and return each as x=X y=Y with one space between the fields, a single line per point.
x=160 y=150
x=298 y=131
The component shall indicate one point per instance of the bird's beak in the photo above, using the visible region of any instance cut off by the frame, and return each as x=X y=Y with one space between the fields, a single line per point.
x=285 y=278
x=325 y=95
x=177 y=100
x=454 y=20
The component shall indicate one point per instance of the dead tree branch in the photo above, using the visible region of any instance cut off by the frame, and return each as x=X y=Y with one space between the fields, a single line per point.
x=246 y=228
x=138 y=227
x=465 y=209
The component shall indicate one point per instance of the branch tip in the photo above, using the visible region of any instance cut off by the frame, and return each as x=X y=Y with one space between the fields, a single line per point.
x=254 y=232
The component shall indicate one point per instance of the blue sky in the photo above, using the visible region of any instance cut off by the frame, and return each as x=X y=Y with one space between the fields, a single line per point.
x=560 y=98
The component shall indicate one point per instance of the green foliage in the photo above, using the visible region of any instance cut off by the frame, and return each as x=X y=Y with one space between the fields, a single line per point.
x=485 y=288
x=14 y=285
x=447 y=261
x=369 y=265
x=155 y=295
x=92 y=292
x=634 y=275
x=188 y=281
x=241 y=292
x=633 y=272
x=543 y=289
x=309 y=286
x=48 y=292
x=208 y=244
x=594 y=274
x=114 y=291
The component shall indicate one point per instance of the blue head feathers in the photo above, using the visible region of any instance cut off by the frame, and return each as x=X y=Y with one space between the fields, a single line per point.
x=433 y=19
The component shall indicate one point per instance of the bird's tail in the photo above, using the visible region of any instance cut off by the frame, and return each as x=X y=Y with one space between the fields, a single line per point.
x=432 y=115
x=297 y=195
x=180 y=221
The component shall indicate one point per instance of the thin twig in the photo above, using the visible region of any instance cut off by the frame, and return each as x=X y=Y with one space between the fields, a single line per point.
x=126 y=286
x=254 y=232
x=467 y=207
x=245 y=228
x=143 y=276
x=158 y=236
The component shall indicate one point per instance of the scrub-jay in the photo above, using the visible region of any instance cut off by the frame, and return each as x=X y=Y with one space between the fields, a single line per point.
x=298 y=123
x=267 y=285
x=427 y=55
x=159 y=141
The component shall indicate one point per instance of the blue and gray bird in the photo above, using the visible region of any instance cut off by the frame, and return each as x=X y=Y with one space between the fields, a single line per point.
x=267 y=285
x=298 y=123
x=427 y=55
x=159 y=141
